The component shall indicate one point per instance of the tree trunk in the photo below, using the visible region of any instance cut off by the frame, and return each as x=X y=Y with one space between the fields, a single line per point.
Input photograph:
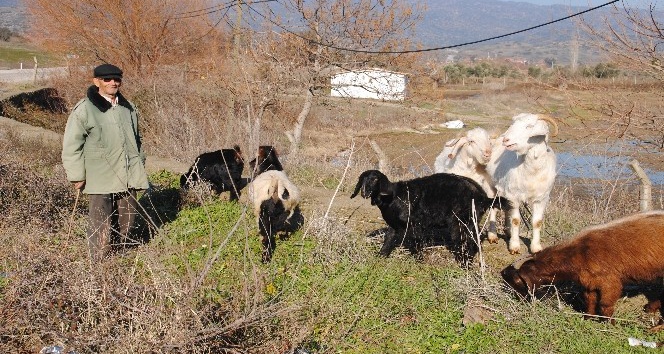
x=295 y=135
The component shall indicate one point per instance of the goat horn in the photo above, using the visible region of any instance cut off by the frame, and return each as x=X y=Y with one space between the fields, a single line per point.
x=517 y=264
x=551 y=121
x=451 y=142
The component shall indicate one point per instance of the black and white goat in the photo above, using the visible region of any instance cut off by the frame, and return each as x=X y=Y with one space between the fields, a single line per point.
x=275 y=201
x=523 y=170
x=439 y=207
x=221 y=168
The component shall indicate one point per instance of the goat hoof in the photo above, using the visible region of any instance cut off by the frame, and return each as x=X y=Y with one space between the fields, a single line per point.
x=658 y=327
x=513 y=252
x=493 y=240
x=534 y=250
x=652 y=307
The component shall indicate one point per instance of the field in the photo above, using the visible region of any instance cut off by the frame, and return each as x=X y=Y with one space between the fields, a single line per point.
x=194 y=283
x=18 y=55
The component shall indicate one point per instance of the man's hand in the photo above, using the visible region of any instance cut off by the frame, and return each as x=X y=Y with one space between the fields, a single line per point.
x=79 y=184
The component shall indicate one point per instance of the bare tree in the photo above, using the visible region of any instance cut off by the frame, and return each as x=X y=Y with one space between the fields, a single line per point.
x=323 y=36
x=631 y=36
x=134 y=34
x=632 y=39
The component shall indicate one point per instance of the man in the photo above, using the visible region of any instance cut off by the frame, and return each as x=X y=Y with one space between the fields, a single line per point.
x=102 y=156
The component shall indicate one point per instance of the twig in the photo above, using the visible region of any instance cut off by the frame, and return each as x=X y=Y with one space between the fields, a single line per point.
x=348 y=163
x=73 y=212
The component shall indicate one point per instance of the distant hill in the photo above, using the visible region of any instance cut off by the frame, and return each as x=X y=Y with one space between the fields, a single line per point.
x=12 y=16
x=453 y=22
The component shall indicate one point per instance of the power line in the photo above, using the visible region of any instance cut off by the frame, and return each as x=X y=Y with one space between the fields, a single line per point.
x=201 y=10
x=213 y=9
x=429 y=49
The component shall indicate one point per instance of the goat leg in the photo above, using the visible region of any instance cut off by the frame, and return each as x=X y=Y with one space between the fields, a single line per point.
x=608 y=296
x=492 y=234
x=268 y=242
x=389 y=243
x=590 y=297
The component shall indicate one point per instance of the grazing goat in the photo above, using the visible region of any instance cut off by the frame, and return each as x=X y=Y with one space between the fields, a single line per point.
x=266 y=160
x=523 y=169
x=221 y=168
x=468 y=156
x=601 y=259
x=275 y=200
x=438 y=207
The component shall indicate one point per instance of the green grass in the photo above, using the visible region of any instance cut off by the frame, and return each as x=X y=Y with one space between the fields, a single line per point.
x=394 y=305
x=13 y=54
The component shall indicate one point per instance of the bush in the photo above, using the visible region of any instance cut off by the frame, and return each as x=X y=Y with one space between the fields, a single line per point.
x=5 y=34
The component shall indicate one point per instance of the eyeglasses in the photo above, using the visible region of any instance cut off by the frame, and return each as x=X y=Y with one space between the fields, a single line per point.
x=109 y=79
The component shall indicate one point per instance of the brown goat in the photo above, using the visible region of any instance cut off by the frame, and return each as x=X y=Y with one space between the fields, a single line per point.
x=602 y=259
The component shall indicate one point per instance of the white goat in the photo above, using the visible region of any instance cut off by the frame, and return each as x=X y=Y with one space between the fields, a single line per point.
x=467 y=156
x=523 y=169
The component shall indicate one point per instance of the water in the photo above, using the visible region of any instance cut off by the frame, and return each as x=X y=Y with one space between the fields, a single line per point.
x=603 y=162
x=601 y=167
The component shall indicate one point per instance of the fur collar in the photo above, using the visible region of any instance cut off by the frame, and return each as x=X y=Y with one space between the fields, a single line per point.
x=102 y=104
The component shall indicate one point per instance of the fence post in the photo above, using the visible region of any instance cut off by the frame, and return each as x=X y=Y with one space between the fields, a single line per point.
x=383 y=165
x=645 y=194
x=34 y=79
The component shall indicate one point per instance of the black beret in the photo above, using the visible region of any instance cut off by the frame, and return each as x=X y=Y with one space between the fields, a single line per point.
x=107 y=71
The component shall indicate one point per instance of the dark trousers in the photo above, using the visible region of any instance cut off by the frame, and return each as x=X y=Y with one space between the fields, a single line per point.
x=111 y=216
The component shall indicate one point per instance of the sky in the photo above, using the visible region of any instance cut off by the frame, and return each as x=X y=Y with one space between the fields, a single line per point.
x=561 y=2
x=588 y=3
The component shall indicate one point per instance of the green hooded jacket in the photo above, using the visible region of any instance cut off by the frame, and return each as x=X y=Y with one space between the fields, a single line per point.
x=102 y=146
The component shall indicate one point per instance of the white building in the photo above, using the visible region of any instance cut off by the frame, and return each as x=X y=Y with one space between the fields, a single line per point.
x=370 y=83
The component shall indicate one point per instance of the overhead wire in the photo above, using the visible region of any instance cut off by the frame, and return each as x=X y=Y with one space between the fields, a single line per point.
x=205 y=11
x=213 y=9
x=425 y=49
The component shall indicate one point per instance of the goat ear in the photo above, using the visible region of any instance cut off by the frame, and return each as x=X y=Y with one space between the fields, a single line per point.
x=360 y=182
x=552 y=123
x=460 y=142
x=238 y=154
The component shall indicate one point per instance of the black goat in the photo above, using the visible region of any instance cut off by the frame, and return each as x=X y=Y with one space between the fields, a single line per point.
x=437 y=208
x=266 y=160
x=221 y=168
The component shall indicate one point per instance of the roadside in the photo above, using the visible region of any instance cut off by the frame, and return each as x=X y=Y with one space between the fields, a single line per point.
x=28 y=132
x=27 y=75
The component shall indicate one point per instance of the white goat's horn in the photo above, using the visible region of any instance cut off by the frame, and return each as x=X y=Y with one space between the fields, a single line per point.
x=461 y=142
x=451 y=142
x=551 y=121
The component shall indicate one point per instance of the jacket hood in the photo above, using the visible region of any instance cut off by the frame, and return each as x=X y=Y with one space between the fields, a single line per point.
x=102 y=104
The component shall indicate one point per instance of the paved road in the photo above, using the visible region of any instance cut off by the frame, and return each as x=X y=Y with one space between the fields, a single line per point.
x=28 y=75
